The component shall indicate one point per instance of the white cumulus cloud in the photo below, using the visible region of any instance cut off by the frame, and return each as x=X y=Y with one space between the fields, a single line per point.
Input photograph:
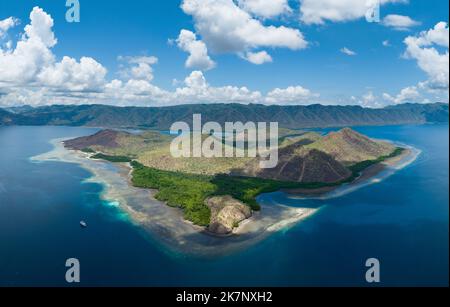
x=347 y=51
x=197 y=89
x=423 y=48
x=7 y=24
x=408 y=94
x=320 y=11
x=258 y=58
x=32 y=52
x=291 y=95
x=31 y=74
x=138 y=67
x=32 y=62
x=85 y=75
x=198 y=52
x=227 y=28
x=399 y=22
x=369 y=100
x=265 y=8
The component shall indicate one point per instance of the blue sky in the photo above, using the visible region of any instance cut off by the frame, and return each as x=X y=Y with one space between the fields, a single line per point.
x=119 y=34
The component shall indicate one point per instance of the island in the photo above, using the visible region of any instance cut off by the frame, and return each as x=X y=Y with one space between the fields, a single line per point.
x=220 y=194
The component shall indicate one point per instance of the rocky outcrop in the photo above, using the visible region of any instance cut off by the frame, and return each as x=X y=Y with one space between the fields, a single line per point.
x=226 y=214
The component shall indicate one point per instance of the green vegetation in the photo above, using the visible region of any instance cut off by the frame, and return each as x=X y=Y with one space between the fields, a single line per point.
x=359 y=167
x=88 y=150
x=181 y=190
x=189 y=191
x=247 y=189
x=287 y=116
x=350 y=147
x=114 y=159
x=187 y=183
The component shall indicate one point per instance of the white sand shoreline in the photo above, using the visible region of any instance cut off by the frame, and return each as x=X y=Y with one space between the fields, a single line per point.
x=167 y=226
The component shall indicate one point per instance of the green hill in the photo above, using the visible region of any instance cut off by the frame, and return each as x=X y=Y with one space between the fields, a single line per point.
x=349 y=147
x=306 y=157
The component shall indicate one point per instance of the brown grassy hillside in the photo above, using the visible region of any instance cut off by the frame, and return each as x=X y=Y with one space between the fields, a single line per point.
x=306 y=157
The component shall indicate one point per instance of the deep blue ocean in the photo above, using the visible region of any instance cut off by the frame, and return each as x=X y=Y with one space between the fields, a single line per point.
x=402 y=221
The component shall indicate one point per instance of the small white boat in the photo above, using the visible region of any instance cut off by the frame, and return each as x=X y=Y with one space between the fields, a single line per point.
x=83 y=224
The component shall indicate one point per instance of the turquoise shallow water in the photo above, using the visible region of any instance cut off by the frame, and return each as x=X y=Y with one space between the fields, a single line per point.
x=403 y=221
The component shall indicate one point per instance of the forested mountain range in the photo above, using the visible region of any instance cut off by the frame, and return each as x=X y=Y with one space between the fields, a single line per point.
x=312 y=116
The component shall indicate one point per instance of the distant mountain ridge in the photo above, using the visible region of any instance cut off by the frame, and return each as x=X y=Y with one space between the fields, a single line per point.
x=9 y=118
x=312 y=116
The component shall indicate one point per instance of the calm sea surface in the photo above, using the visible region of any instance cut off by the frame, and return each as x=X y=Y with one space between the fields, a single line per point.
x=402 y=221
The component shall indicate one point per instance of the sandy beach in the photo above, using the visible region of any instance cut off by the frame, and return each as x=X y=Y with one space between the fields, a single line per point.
x=167 y=226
